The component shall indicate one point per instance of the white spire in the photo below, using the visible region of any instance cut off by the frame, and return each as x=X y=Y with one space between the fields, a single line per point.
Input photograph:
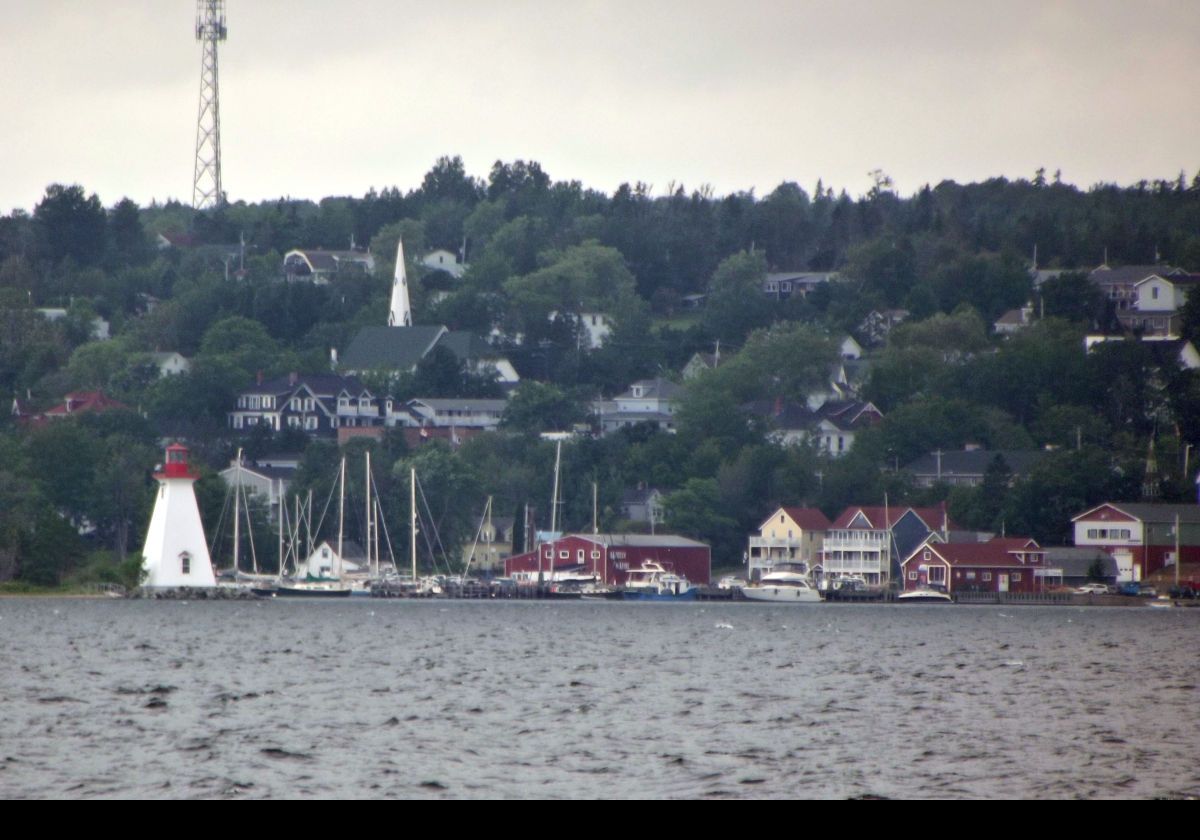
x=400 y=313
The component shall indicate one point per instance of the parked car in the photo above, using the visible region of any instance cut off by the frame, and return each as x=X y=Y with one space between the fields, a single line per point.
x=1092 y=589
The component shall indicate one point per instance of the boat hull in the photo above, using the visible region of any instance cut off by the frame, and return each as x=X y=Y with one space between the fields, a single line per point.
x=781 y=594
x=923 y=597
x=311 y=591
x=628 y=595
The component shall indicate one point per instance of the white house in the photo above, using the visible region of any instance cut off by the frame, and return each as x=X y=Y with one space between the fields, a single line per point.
x=646 y=401
x=169 y=364
x=457 y=412
x=443 y=260
x=594 y=327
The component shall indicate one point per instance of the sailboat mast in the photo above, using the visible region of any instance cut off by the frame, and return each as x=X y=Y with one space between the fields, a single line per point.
x=412 y=520
x=367 y=541
x=281 y=510
x=237 y=510
x=554 y=498
x=341 y=512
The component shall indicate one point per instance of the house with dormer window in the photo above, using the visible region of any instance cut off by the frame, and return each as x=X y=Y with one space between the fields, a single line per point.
x=318 y=405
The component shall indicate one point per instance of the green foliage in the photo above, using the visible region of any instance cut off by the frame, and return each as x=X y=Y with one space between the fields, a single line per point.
x=71 y=224
x=696 y=510
x=736 y=304
x=535 y=407
x=447 y=489
x=583 y=278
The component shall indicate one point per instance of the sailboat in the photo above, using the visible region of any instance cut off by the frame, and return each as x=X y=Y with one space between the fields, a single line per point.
x=322 y=573
x=235 y=577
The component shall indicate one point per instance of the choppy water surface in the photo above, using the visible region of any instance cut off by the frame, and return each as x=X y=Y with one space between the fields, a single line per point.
x=460 y=699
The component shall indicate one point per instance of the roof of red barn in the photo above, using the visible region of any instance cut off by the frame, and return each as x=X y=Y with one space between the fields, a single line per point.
x=881 y=517
x=993 y=553
x=1014 y=543
x=809 y=518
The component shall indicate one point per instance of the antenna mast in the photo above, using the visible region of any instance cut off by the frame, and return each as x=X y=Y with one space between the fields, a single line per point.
x=206 y=181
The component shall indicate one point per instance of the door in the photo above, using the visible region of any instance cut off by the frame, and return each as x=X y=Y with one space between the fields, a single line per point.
x=1002 y=583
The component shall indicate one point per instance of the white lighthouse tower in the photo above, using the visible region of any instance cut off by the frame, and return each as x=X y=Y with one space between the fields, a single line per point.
x=176 y=553
x=400 y=310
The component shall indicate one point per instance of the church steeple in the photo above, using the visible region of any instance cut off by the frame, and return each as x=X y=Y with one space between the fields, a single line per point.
x=400 y=312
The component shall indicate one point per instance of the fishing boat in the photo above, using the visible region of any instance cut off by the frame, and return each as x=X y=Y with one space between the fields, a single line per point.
x=783 y=586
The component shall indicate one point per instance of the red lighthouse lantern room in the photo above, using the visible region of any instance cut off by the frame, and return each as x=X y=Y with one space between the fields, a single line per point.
x=176 y=465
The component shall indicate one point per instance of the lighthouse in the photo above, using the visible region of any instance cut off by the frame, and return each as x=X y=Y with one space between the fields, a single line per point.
x=176 y=554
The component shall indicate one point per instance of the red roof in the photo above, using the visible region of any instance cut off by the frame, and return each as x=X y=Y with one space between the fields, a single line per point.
x=77 y=402
x=996 y=553
x=880 y=517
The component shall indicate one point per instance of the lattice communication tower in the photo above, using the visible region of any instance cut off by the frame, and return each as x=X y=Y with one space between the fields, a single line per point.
x=206 y=182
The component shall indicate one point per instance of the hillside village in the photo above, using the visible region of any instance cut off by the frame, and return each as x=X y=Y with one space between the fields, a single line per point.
x=985 y=387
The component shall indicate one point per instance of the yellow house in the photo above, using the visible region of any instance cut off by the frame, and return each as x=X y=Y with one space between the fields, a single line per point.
x=789 y=535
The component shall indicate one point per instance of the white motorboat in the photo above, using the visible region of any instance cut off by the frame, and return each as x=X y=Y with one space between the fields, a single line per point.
x=924 y=595
x=652 y=582
x=783 y=587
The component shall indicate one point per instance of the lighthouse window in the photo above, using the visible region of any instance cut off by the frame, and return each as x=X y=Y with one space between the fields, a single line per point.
x=185 y=563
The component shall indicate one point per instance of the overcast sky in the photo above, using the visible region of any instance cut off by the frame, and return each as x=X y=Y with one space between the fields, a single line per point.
x=321 y=98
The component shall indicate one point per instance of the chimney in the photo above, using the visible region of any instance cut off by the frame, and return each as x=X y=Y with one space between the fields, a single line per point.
x=258 y=377
x=292 y=377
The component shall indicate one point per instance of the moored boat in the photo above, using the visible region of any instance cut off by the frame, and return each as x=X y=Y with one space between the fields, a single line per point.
x=783 y=587
x=924 y=595
x=652 y=582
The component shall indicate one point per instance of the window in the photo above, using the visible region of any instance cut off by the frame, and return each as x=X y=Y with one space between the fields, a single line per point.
x=564 y=555
x=595 y=555
x=1016 y=576
x=912 y=575
x=185 y=563
x=970 y=576
x=987 y=576
x=937 y=574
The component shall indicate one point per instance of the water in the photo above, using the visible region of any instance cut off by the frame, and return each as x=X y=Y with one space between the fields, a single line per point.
x=395 y=699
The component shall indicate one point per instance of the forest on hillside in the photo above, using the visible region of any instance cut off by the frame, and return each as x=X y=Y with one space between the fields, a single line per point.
x=955 y=256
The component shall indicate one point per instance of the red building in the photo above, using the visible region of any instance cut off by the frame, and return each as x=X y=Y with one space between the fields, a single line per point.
x=609 y=556
x=1003 y=564
x=1141 y=537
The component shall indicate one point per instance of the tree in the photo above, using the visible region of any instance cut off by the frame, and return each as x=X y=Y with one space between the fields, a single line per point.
x=536 y=407
x=126 y=233
x=447 y=490
x=736 y=302
x=71 y=224
x=588 y=277
x=696 y=510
